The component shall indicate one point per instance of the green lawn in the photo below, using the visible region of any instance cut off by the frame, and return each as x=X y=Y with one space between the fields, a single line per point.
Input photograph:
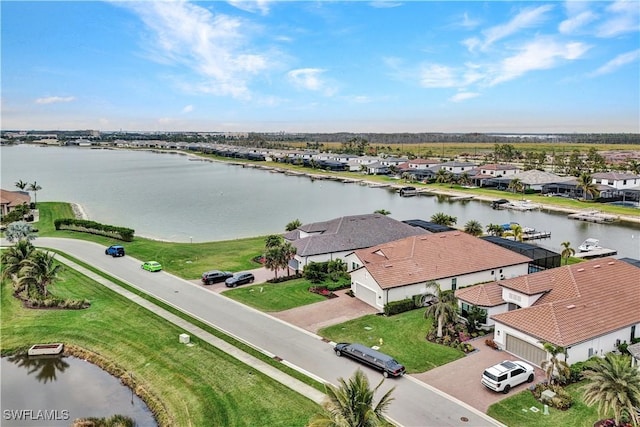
x=275 y=296
x=515 y=411
x=403 y=337
x=198 y=385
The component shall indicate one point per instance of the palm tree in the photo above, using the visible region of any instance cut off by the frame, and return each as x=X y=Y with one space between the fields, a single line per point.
x=495 y=229
x=614 y=385
x=382 y=212
x=20 y=184
x=288 y=252
x=567 y=252
x=293 y=225
x=19 y=230
x=555 y=368
x=516 y=185
x=516 y=231
x=406 y=176
x=443 y=219
x=443 y=176
x=351 y=404
x=273 y=240
x=473 y=227
x=464 y=179
x=35 y=188
x=273 y=258
x=41 y=270
x=13 y=258
x=585 y=183
x=444 y=309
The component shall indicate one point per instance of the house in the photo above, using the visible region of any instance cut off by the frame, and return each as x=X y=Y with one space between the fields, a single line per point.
x=9 y=200
x=329 y=240
x=588 y=308
x=457 y=168
x=402 y=268
x=619 y=181
x=482 y=175
x=531 y=179
x=422 y=163
x=376 y=168
x=634 y=349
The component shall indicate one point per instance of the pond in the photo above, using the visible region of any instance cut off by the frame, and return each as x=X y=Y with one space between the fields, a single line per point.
x=55 y=390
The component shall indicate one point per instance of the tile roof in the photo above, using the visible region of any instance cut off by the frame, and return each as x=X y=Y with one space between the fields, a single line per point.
x=433 y=256
x=484 y=295
x=349 y=233
x=585 y=300
x=14 y=198
x=614 y=176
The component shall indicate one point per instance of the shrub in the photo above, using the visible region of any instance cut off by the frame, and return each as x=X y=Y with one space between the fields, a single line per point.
x=92 y=227
x=395 y=307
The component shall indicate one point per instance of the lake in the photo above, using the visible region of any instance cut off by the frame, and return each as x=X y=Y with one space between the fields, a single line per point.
x=172 y=197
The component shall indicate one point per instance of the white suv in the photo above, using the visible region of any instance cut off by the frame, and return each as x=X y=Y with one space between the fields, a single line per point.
x=507 y=374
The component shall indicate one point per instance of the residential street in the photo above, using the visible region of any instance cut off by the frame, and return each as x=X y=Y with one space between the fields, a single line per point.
x=415 y=404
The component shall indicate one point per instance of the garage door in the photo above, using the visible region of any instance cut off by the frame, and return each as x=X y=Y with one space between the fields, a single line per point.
x=524 y=350
x=365 y=294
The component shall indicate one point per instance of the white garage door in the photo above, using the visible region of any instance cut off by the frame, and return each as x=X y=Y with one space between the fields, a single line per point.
x=524 y=350
x=365 y=294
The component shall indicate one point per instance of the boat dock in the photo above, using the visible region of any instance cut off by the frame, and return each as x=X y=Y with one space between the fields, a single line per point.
x=595 y=253
x=534 y=235
x=593 y=216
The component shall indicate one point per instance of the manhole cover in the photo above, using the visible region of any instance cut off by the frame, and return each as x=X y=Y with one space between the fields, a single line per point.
x=464 y=419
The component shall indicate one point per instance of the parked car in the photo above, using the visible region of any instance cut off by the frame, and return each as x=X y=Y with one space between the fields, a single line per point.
x=239 y=279
x=215 y=276
x=377 y=360
x=505 y=375
x=114 y=251
x=152 y=266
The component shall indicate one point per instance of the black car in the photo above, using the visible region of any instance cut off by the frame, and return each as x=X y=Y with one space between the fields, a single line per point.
x=377 y=360
x=239 y=279
x=215 y=276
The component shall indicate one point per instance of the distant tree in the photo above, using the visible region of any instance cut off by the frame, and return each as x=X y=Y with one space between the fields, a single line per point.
x=464 y=179
x=443 y=176
x=614 y=386
x=585 y=183
x=633 y=166
x=19 y=230
x=443 y=219
x=495 y=230
x=516 y=231
x=516 y=185
x=406 y=176
x=35 y=188
x=473 y=227
x=21 y=184
x=293 y=225
x=567 y=252
x=382 y=212
x=351 y=404
x=444 y=309
x=273 y=240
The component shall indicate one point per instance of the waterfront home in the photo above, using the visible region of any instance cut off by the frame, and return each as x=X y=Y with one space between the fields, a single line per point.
x=482 y=175
x=588 y=308
x=531 y=179
x=456 y=168
x=403 y=268
x=9 y=200
x=333 y=239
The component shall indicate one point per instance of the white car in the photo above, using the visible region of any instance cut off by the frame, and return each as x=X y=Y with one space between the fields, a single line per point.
x=505 y=375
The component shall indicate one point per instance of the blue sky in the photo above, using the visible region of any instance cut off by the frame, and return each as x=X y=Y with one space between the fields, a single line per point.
x=322 y=66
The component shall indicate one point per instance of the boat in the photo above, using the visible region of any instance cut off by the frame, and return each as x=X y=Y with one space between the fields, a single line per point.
x=589 y=245
x=408 y=191
x=522 y=205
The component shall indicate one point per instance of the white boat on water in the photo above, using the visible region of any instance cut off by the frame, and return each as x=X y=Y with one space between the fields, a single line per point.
x=522 y=205
x=589 y=245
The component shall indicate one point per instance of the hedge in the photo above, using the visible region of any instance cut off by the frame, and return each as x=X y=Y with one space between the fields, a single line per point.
x=395 y=307
x=92 y=227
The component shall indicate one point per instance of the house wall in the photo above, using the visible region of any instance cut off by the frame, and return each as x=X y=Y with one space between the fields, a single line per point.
x=518 y=298
x=599 y=345
x=304 y=260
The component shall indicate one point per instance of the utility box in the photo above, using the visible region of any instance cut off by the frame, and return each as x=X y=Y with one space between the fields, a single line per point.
x=184 y=339
x=547 y=395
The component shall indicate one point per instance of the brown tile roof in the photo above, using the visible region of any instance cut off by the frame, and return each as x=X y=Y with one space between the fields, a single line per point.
x=484 y=295
x=433 y=256
x=587 y=300
x=14 y=198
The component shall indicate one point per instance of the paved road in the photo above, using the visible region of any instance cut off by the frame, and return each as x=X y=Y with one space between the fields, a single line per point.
x=415 y=404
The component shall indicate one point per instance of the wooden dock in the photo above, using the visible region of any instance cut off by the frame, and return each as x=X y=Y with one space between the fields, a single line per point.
x=536 y=235
x=595 y=253
x=593 y=216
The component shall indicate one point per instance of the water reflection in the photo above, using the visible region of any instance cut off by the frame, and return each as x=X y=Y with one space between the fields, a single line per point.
x=46 y=367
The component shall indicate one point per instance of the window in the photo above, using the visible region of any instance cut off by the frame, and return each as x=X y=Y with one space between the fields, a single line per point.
x=454 y=284
x=590 y=352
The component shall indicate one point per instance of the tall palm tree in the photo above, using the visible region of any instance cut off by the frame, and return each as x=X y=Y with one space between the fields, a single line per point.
x=293 y=225
x=554 y=368
x=516 y=185
x=464 y=179
x=40 y=270
x=444 y=309
x=382 y=212
x=288 y=252
x=35 y=188
x=273 y=240
x=614 y=385
x=351 y=404
x=567 y=252
x=443 y=176
x=585 y=183
x=473 y=227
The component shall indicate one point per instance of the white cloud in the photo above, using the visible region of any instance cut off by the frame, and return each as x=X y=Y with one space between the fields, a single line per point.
x=384 y=4
x=542 y=53
x=617 y=62
x=574 y=23
x=528 y=18
x=463 y=96
x=436 y=75
x=55 y=99
x=215 y=47
x=625 y=18
x=187 y=109
x=468 y=22
x=253 y=6
x=310 y=79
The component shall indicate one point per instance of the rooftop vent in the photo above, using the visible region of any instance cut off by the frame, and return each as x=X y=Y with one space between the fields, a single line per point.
x=388 y=265
x=571 y=306
x=611 y=263
x=581 y=269
x=596 y=266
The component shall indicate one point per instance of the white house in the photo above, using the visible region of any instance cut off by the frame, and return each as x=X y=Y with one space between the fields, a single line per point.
x=588 y=308
x=402 y=269
x=336 y=238
x=422 y=163
x=619 y=181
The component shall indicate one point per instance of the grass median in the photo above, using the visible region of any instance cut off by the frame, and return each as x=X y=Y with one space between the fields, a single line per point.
x=198 y=385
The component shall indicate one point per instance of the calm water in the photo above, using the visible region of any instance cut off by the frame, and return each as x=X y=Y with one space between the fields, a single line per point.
x=66 y=388
x=167 y=196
